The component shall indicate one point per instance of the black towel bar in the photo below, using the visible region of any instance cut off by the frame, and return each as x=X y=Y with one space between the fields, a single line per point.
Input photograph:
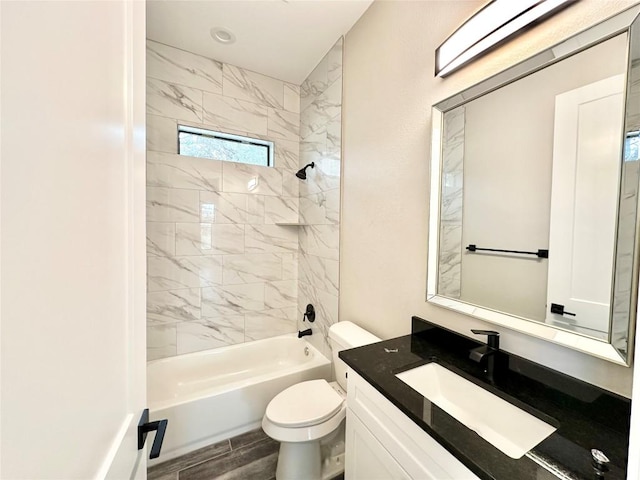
x=539 y=253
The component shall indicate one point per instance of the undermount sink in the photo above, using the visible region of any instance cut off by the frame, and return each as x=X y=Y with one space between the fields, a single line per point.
x=505 y=426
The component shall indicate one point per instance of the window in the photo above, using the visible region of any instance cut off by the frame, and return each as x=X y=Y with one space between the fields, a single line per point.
x=198 y=142
x=632 y=147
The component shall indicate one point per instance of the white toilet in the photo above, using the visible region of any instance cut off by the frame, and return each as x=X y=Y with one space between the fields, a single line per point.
x=308 y=418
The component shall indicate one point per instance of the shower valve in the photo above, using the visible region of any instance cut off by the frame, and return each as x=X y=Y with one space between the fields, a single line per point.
x=309 y=314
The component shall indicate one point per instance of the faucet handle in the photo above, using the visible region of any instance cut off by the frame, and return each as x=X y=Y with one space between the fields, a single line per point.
x=485 y=332
x=600 y=462
x=493 y=337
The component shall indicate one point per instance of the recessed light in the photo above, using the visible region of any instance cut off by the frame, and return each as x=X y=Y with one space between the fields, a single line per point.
x=222 y=35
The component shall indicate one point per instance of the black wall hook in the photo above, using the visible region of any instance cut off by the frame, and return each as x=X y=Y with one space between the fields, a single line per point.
x=309 y=314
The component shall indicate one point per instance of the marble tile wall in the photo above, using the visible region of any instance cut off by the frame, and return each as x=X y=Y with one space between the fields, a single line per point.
x=627 y=212
x=220 y=271
x=450 y=254
x=319 y=204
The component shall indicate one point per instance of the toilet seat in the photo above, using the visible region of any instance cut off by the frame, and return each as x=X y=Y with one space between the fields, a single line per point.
x=304 y=404
x=323 y=421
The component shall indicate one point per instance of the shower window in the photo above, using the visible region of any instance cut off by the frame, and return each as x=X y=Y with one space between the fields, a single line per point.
x=632 y=147
x=198 y=142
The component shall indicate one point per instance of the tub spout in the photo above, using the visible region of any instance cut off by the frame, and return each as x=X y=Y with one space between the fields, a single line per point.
x=303 y=333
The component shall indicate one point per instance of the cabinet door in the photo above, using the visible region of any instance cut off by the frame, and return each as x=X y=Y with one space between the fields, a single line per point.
x=420 y=456
x=367 y=458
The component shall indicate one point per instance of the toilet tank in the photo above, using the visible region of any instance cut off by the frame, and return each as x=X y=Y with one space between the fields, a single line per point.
x=342 y=336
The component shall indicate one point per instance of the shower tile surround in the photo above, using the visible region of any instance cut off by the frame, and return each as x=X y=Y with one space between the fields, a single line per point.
x=319 y=207
x=220 y=271
x=450 y=260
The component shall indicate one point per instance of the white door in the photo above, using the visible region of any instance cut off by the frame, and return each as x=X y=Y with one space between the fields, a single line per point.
x=586 y=171
x=72 y=254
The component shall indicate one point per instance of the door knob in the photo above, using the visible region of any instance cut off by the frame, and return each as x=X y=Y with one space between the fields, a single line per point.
x=145 y=426
x=559 y=309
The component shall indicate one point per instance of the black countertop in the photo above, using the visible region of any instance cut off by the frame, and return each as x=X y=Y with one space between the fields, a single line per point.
x=585 y=416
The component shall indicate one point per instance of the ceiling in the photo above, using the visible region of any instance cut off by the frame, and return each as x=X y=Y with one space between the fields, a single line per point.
x=284 y=39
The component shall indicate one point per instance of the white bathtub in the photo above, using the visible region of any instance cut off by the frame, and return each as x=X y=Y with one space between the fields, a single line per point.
x=216 y=394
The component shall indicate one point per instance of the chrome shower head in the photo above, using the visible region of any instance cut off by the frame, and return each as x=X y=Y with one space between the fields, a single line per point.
x=302 y=173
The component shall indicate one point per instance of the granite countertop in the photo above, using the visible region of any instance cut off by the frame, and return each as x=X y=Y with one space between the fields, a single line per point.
x=585 y=416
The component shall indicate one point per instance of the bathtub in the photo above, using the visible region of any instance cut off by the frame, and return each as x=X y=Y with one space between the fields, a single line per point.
x=216 y=394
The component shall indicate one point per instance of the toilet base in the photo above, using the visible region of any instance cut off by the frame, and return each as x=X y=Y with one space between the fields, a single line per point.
x=298 y=460
x=316 y=460
x=332 y=467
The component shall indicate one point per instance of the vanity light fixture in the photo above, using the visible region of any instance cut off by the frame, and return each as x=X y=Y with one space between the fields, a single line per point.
x=494 y=23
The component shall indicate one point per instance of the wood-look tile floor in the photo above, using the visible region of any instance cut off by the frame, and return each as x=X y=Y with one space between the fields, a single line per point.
x=250 y=456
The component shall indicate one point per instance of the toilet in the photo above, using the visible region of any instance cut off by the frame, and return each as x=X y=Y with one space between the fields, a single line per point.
x=308 y=417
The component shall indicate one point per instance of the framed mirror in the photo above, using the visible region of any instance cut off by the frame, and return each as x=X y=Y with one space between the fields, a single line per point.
x=534 y=194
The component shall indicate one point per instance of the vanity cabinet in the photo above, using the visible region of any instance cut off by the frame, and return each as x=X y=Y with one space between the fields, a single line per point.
x=366 y=457
x=383 y=443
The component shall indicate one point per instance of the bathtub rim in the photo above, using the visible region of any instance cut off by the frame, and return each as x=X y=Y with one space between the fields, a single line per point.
x=318 y=359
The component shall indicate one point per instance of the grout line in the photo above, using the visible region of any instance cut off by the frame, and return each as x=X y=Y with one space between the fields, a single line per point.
x=197 y=463
x=207 y=459
x=247 y=444
x=231 y=450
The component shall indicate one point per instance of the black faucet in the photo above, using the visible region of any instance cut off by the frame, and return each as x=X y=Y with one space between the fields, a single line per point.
x=600 y=464
x=488 y=351
x=302 y=333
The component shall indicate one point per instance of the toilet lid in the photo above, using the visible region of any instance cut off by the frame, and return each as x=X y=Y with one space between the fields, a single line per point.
x=304 y=404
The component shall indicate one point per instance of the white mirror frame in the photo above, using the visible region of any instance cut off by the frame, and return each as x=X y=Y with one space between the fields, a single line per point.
x=615 y=25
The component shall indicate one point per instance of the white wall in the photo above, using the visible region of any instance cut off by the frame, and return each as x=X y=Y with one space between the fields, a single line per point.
x=389 y=88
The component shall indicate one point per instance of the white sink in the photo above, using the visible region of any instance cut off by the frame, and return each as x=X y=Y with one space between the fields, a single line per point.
x=505 y=426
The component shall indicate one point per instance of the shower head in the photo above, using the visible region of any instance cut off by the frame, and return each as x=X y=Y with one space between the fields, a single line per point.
x=302 y=173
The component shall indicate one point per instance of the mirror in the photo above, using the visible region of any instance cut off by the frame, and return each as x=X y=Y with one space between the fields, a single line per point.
x=534 y=193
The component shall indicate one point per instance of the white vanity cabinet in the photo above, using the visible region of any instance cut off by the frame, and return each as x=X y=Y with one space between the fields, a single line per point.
x=383 y=443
